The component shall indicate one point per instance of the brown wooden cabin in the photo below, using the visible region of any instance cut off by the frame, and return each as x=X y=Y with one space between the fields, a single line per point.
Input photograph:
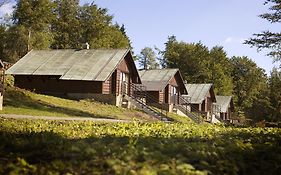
x=226 y=107
x=78 y=74
x=164 y=86
x=202 y=98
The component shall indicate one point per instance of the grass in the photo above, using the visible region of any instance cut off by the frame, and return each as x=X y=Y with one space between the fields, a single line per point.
x=72 y=147
x=19 y=101
x=23 y=102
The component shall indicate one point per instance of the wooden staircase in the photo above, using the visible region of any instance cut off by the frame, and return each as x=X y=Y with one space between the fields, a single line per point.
x=137 y=96
x=195 y=116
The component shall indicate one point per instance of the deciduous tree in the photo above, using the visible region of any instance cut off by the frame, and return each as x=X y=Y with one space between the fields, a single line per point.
x=249 y=83
x=275 y=94
x=192 y=59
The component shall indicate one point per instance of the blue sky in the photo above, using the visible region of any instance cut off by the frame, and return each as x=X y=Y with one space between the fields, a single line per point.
x=217 y=22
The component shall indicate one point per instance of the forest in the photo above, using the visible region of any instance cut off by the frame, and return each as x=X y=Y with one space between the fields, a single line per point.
x=66 y=24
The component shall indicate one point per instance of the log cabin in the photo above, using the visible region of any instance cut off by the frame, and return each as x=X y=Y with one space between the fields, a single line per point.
x=202 y=97
x=164 y=86
x=226 y=107
x=88 y=73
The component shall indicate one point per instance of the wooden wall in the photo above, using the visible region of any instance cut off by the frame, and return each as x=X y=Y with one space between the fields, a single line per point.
x=44 y=84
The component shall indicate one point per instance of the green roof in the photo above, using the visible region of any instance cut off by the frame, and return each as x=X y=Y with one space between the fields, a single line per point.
x=88 y=65
x=198 y=92
x=224 y=102
x=157 y=79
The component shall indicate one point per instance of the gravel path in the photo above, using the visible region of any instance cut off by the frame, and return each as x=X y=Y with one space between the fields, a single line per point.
x=14 y=116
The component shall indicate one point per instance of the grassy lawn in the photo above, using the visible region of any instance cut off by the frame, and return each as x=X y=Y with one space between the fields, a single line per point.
x=22 y=102
x=18 y=101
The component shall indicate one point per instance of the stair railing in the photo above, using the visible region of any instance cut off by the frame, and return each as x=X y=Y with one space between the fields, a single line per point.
x=185 y=101
x=138 y=93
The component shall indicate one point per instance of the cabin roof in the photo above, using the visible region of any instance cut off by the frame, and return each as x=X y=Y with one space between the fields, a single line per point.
x=157 y=79
x=224 y=102
x=87 y=65
x=198 y=92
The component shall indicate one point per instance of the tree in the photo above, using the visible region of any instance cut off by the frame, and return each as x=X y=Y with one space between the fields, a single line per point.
x=198 y=64
x=275 y=94
x=220 y=67
x=147 y=59
x=66 y=28
x=267 y=39
x=192 y=59
x=249 y=84
x=29 y=30
x=34 y=16
x=98 y=31
x=13 y=43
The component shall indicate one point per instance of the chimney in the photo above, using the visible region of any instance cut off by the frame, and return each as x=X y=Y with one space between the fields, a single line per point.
x=87 y=45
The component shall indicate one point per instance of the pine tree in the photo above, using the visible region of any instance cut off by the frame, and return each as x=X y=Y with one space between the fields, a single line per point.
x=147 y=59
x=268 y=39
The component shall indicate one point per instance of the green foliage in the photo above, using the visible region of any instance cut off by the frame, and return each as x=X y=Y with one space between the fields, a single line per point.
x=198 y=64
x=220 y=67
x=250 y=84
x=147 y=59
x=35 y=17
x=191 y=59
x=59 y=24
x=60 y=147
x=98 y=31
x=66 y=27
x=14 y=43
x=275 y=94
x=267 y=39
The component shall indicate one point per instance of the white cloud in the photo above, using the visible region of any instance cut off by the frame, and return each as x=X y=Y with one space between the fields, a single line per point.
x=237 y=40
x=7 y=9
x=228 y=40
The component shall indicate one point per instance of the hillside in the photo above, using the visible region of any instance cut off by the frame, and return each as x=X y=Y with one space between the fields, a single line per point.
x=18 y=101
x=23 y=102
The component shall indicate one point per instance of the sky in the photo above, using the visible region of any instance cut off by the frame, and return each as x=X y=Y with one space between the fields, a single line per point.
x=217 y=22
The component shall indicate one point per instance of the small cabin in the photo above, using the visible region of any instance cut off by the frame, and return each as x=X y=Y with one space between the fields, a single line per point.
x=165 y=86
x=96 y=74
x=226 y=107
x=202 y=97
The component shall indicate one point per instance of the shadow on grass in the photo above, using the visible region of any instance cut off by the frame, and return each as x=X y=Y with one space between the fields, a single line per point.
x=19 y=99
x=121 y=155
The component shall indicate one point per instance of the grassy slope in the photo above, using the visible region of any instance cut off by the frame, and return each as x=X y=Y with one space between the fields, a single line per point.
x=19 y=101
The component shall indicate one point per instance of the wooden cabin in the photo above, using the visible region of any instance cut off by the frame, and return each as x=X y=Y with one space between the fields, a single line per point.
x=96 y=74
x=226 y=107
x=164 y=86
x=202 y=97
